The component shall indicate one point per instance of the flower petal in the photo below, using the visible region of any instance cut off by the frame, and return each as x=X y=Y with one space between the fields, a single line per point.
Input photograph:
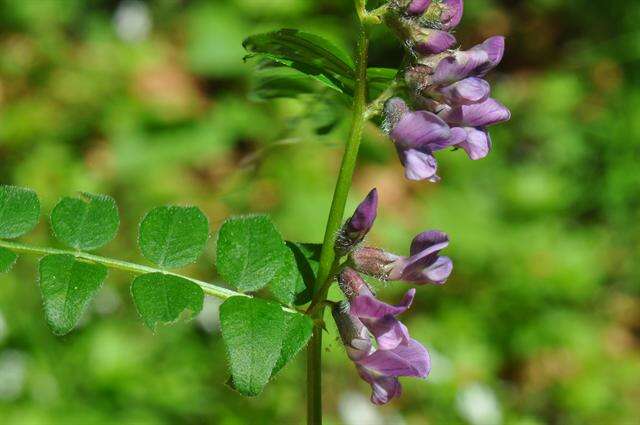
x=417 y=7
x=478 y=143
x=476 y=61
x=438 y=272
x=384 y=388
x=419 y=165
x=362 y=219
x=431 y=41
x=478 y=114
x=367 y=306
x=388 y=331
x=467 y=91
x=458 y=135
x=452 y=13
x=429 y=242
x=404 y=360
x=419 y=129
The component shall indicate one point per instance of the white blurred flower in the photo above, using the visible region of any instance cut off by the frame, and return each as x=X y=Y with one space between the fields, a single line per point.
x=478 y=404
x=132 y=21
x=355 y=409
x=12 y=374
x=208 y=318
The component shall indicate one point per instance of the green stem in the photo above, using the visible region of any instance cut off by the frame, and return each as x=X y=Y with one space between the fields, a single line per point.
x=328 y=261
x=207 y=288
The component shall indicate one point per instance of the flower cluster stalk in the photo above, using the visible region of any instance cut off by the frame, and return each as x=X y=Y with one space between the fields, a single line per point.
x=334 y=221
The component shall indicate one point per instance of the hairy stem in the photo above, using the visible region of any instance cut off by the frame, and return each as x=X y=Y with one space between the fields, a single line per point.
x=207 y=288
x=328 y=260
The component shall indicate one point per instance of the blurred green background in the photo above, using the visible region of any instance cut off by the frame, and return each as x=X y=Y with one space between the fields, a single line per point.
x=149 y=102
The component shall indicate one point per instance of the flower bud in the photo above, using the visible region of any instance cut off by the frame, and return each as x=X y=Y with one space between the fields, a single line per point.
x=373 y=261
x=431 y=41
x=358 y=225
x=352 y=284
x=352 y=331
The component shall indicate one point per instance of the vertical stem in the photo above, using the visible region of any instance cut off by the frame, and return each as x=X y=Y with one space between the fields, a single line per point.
x=327 y=256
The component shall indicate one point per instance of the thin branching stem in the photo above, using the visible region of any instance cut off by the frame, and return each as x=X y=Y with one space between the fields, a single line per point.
x=207 y=288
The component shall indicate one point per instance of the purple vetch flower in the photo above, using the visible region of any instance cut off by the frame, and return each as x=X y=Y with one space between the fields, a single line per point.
x=378 y=367
x=428 y=41
x=466 y=92
x=475 y=62
x=416 y=135
x=424 y=264
x=451 y=13
x=417 y=7
x=379 y=317
x=474 y=118
x=358 y=225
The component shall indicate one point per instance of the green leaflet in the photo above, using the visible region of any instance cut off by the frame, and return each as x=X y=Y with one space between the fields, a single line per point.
x=67 y=285
x=162 y=298
x=250 y=252
x=7 y=260
x=279 y=81
x=19 y=211
x=378 y=79
x=173 y=236
x=297 y=331
x=87 y=223
x=252 y=330
x=308 y=53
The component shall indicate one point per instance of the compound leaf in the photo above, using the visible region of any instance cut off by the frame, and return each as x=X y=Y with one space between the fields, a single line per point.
x=162 y=298
x=173 y=236
x=19 y=211
x=67 y=285
x=250 y=252
x=86 y=223
x=252 y=330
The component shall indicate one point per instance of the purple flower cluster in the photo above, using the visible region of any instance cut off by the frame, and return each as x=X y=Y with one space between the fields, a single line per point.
x=447 y=87
x=376 y=341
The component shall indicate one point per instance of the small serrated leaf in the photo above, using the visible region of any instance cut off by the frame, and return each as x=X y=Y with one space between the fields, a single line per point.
x=297 y=331
x=19 y=211
x=162 y=298
x=67 y=285
x=250 y=252
x=85 y=224
x=287 y=281
x=173 y=236
x=252 y=330
x=7 y=260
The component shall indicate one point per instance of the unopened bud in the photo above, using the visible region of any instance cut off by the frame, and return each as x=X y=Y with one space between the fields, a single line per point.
x=358 y=225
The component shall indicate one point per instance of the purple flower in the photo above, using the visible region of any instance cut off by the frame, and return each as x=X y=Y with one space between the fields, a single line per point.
x=476 y=61
x=473 y=119
x=358 y=225
x=423 y=265
x=379 y=367
x=417 y=7
x=431 y=41
x=417 y=134
x=466 y=92
x=451 y=13
x=378 y=317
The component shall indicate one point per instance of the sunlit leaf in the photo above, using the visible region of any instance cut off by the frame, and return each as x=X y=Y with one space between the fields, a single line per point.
x=297 y=331
x=67 y=285
x=252 y=330
x=19 y=211
x=162 y=298
x=250 y=252
x=85 y=223
x=173 y=236
x=7 y=260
